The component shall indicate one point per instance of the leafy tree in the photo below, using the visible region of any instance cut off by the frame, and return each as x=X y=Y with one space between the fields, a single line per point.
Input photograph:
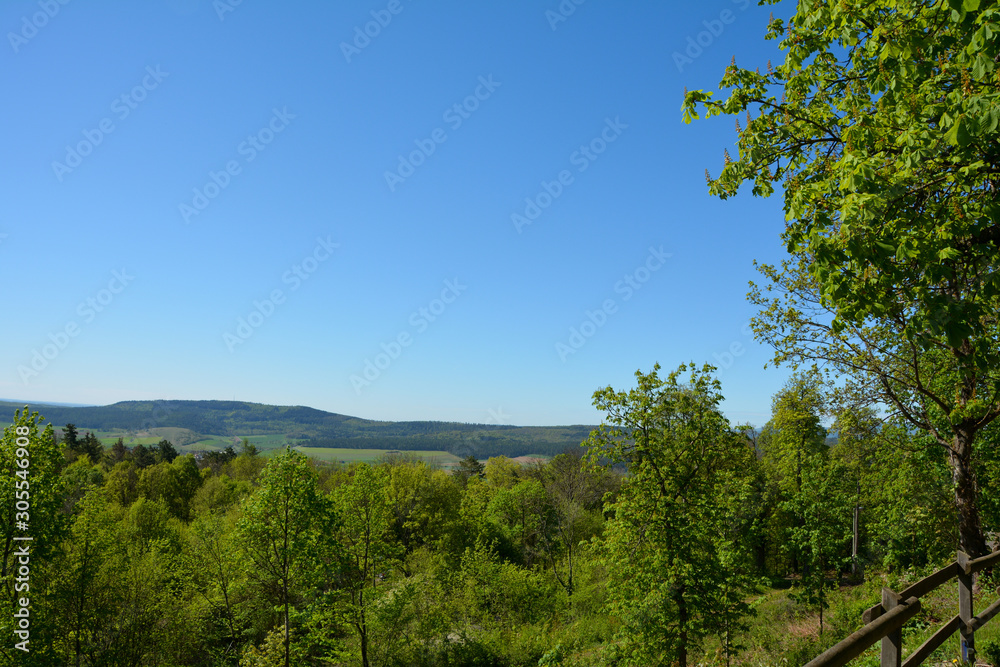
x=472 y=526
x=210 y=564
x=424 y=504
x=886 y=141
x=218 y=494
x=501 y=473
x=365 y=536
x=83 y=601
x=284 y=528
x=824 y=504
x=794 y=441
x=148 y=524
x=528 y=518
x=903 y=484
x=576 y=490
x=796 y=433
x=246 y=467
x=674 y=560
x=498 y=593
x=185 y=480
x=141 y=574
x=79 y=478
x=122 y=483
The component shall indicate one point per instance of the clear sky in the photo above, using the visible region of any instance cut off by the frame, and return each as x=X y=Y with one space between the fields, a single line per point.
x=405 y=209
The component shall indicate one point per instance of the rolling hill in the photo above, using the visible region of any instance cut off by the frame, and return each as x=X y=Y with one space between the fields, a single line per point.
x=212 y=422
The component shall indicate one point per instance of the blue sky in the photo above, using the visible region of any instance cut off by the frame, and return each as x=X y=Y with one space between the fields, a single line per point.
x=260 y=201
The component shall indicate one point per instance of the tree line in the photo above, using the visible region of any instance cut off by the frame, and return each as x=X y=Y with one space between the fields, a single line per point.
x=637 y=548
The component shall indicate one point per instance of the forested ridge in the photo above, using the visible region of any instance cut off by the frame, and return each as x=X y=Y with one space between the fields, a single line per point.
x=308 y=427
x=661 y=536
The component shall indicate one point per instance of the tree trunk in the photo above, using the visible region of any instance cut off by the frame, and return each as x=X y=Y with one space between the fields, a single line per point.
x=970 y=531
x=682 y=621
x=287 y=663
x=856 y=538
x=569 y=578
x=362 y=628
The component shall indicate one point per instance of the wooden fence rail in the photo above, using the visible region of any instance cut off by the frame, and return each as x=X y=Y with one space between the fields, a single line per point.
x=885 y=620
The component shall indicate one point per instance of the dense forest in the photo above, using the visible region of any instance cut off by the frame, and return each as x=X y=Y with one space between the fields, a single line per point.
x=308 y=427
x=652 y=539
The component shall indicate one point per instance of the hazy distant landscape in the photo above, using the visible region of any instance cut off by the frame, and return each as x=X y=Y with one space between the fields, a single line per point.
x=212 y=425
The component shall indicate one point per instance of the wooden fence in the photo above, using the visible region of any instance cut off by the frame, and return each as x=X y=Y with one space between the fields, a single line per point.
x=885 y=620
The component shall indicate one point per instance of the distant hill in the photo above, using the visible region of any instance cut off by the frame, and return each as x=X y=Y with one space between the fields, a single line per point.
x=308 y=427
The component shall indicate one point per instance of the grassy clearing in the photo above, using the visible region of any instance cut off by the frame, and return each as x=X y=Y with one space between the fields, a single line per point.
x=189 y=441
x=271 y=441
x=208 y=445
x=341 y=455
x=185 y=443
x=786 y=633
x=177 y=436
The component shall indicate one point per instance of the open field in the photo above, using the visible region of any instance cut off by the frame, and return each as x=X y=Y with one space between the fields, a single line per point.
x=177 y=436
x=208 y=445
x=442 y=458
x=188 y=441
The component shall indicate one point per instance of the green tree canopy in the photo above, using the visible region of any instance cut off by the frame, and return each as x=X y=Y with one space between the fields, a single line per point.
x=285 y=528
x=675 y=547
x=882 y=126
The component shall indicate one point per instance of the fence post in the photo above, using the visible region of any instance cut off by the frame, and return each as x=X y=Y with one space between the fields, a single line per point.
x=892 y=644
x=965 y=608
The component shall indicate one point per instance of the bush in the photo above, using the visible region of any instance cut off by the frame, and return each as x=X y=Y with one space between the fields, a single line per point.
x=989 y=651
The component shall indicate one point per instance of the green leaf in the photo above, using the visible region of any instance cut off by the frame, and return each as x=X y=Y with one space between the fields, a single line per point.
x=959 y=134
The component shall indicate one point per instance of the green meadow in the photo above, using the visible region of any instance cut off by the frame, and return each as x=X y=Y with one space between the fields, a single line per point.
x=341 y=455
